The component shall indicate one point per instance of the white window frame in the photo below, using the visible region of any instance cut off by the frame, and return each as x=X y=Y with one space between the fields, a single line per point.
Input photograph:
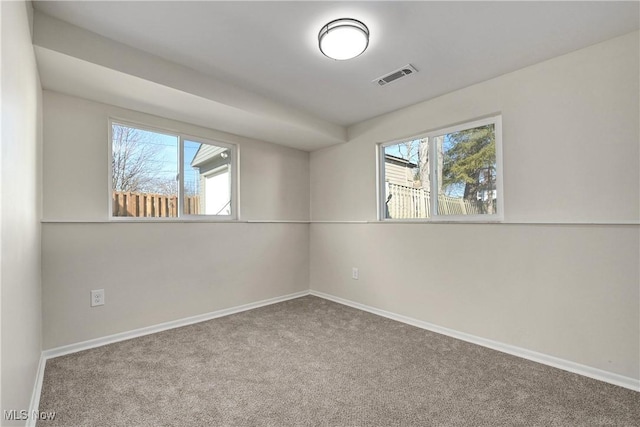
x=182 y=137
x=496 y=120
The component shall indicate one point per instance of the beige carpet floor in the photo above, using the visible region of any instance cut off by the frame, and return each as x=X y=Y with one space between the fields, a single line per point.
x=312 y=362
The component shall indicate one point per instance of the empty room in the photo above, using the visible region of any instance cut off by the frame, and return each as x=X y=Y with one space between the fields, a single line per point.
x=303 y=213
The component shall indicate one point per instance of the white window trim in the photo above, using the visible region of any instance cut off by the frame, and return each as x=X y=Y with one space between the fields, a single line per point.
x=233 y=171
x=496 y=120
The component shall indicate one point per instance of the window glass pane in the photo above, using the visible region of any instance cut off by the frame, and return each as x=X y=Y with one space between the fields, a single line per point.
x=447 y=174
x=144 y=170
x=406 y=179
x=467 y=172
x=207 y=179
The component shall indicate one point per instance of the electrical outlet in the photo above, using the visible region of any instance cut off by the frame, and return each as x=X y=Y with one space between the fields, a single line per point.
x=97 y=297
x=355 y=274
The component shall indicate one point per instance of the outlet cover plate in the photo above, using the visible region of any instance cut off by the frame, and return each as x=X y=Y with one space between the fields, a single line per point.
x=97 y=297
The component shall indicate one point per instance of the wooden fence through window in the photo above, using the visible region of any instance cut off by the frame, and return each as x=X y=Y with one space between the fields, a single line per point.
x=152 y=205
x=408 y=202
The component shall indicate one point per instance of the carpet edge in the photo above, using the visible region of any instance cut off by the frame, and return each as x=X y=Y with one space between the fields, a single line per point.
x=172 y=324
x=545 y=359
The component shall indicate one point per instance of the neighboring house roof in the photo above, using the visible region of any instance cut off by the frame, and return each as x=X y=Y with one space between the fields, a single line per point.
x=206 y=153
x=399 y=161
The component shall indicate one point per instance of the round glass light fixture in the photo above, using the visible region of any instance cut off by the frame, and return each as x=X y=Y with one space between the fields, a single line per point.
x=343 y=39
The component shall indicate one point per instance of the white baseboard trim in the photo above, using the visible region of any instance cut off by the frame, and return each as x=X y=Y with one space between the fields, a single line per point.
x=566 y=365
x=122 y=336
x=545 y=359
x=37 y=389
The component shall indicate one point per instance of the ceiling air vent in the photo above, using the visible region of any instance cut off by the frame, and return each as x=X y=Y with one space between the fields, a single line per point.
x=407 y=70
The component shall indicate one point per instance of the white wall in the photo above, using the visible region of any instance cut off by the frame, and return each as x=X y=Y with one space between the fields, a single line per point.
x=570 y=140
x=571 y=156
x=274 y=180
x=20 y=213
x=154 y=273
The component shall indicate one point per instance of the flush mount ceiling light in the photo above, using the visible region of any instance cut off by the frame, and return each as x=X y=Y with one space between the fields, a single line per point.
x=343 y=38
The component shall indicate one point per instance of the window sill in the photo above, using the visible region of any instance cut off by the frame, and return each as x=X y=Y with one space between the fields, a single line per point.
x=442 y=221
x=179 y=219
x=171 y=221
